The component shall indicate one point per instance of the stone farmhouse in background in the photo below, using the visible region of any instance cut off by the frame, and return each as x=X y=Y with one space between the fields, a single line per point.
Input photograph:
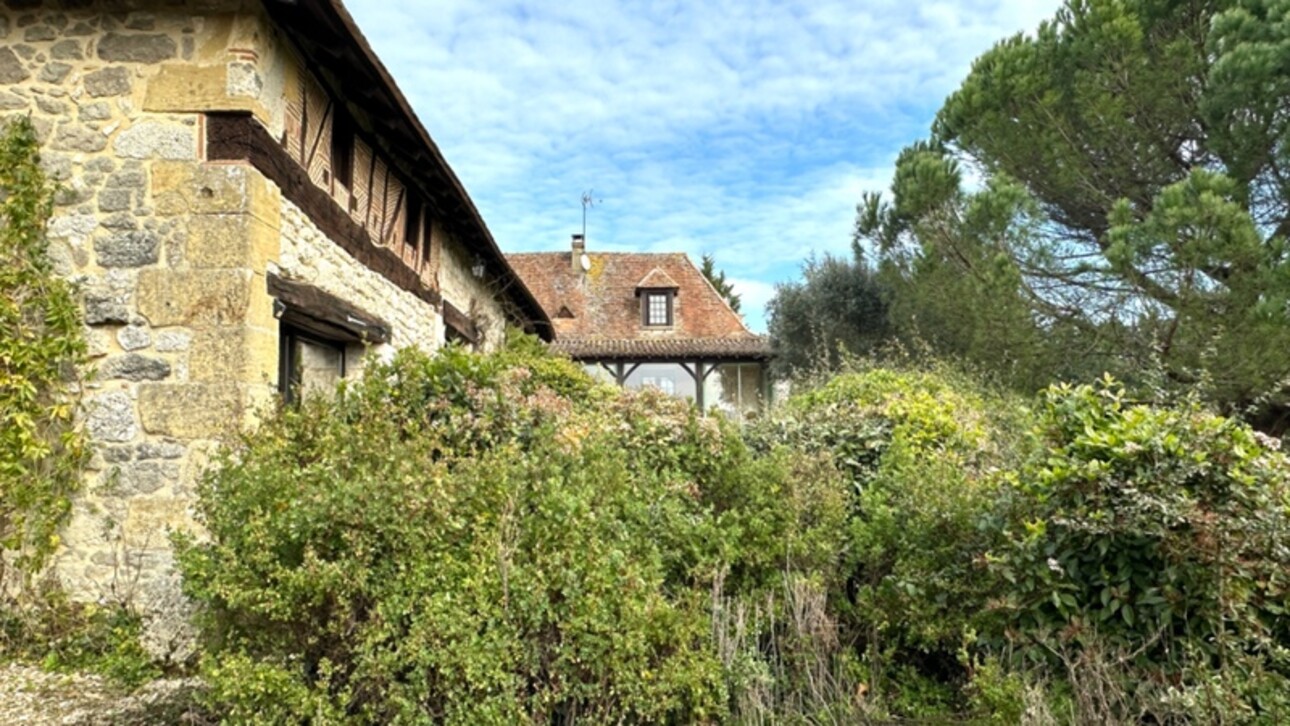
x=649 y=320
x=249 y=205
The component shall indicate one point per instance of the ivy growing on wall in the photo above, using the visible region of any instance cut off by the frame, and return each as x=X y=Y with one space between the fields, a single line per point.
x=42 y=350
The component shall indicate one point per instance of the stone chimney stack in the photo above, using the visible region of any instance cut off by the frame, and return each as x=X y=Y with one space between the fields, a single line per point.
x=579 y=249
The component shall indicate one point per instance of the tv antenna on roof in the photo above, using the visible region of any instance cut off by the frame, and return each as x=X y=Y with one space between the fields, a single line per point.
x=588 y=200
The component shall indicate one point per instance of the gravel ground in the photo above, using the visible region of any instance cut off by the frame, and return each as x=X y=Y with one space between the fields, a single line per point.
x=29 y=695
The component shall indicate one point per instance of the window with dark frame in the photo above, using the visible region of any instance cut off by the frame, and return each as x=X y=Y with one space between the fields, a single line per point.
x=309 y=363
x=658 y=308
x=342 y=150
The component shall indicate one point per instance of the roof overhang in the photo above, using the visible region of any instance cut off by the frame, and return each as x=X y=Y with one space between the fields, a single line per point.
x=665 y=350
x=325 y=34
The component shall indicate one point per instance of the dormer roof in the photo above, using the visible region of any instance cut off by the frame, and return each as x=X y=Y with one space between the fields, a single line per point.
x=657 y=280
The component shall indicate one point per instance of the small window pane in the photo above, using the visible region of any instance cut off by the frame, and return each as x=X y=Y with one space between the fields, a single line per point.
x=318 y=367
x=657 y=310
x=412 y=221
x=670 y=378
x=309 y=364
x=342 y=150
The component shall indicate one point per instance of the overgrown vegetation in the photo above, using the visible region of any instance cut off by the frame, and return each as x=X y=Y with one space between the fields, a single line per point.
x=490 y=539
x=42 y=448
x=41 y=354
x=64 y=636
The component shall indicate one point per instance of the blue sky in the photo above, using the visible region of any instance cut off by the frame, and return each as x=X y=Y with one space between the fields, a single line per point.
x=743 y=128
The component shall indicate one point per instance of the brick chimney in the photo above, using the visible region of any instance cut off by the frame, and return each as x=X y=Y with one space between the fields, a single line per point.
x=579 y=249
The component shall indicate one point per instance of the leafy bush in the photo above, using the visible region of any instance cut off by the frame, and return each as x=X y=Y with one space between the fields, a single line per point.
x=467 y=538
x=1096 y=557
x=491 y=539
x=1161 y=532
x=922 y=449
x=63 y=636
x=41 y=350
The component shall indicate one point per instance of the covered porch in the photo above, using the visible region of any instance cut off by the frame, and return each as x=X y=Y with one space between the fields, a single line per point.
x=736 y=388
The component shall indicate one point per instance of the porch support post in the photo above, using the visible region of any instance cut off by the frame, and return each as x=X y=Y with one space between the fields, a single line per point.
x=767 y=384
x=699 y=378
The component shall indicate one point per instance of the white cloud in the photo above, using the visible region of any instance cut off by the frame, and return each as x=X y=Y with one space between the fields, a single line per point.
x=745 y=128
x=753 y=294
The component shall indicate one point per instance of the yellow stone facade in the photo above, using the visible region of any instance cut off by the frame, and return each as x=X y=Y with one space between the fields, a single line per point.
x=172 y=253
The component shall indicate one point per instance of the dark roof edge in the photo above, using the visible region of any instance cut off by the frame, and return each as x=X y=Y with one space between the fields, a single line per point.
x=753 y=348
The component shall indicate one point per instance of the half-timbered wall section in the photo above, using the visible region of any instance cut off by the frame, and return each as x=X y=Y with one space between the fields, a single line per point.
x=321 y=137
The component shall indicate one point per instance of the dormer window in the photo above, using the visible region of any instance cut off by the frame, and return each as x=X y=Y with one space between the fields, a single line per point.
x=658 y=308
x=657 y=293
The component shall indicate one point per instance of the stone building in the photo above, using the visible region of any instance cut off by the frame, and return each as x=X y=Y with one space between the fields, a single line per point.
x=250 y=207
x=650 y=320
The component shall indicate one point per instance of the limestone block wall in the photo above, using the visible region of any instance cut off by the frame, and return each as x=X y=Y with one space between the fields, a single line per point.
x=308 y=256
x=186 y=355
x=478 y=298
x=168 y=252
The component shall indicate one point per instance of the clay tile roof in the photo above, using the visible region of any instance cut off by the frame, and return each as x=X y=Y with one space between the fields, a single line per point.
x=656 y=280
x=662 y=348
x=606 y=314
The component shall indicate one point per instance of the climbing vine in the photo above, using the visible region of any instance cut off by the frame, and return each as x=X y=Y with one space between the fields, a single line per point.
x=42 y=351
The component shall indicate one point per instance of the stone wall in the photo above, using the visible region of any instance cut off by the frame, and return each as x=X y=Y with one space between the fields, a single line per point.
x=171 y=253
x=308 y=256
x=166 y=250
x=471 y=295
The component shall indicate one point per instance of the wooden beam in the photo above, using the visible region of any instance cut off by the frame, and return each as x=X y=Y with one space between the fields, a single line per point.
x=611 y=371
x=313 y=309
x=699 y=378
x=460 y=322
x=238 y=137
x=630 y=371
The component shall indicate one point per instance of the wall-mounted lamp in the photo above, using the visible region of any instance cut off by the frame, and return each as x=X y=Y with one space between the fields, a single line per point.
x=477 y=269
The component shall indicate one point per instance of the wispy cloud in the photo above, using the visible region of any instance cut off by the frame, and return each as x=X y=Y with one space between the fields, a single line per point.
x=744 y=128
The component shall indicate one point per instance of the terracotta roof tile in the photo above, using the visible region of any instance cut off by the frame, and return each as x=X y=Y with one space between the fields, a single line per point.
x=656 y=280
x=606 y=310
x=721 y=348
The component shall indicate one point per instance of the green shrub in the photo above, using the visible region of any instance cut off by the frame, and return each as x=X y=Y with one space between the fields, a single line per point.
x=64 y=636
x=1164 y=532
x=41 y=350
x=923 y=450
x=491 y=539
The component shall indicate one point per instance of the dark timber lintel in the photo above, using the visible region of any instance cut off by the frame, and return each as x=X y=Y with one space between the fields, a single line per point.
x=307 y=307
x=460 y=322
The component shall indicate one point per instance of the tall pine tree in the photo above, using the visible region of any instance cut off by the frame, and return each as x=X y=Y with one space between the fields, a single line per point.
x=719 y=281
x=1134 y=204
